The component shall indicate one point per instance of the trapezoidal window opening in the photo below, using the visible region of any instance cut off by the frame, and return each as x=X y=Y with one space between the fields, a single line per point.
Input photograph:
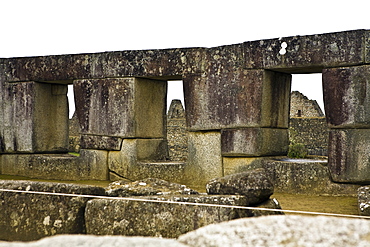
x=307 y=123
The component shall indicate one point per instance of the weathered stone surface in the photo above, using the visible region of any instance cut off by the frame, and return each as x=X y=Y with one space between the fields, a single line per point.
x=90 y=165
x=126 y=161
x=148 y=187
x=290 y=230
x=349 y=155
x=34 y=118
x=363 y=197
x=32 y=216
x=305 y=176
x=254 y=142
x=205 y=161
x=234 y=165
x=100 y=142
x=168 y=220
x=121 y=107
x=167 y=170
x=96 y=241
x=347 y=105
x=168 y=63
x=240 y=98
x=255 y=185
x=311 y=53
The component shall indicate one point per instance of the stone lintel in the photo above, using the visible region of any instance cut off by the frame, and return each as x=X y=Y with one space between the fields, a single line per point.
x=310 y=53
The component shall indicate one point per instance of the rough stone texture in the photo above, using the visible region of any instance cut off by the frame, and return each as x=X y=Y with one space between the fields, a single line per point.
x=168 y=220
x=96 y=241
x=35 y=118
x=363 y=196
x=254 y=142
x=126 y=161
x=148 y=187
x=121 y=107
x=100 y=142
x=290 y=230
x=32 y=216
x=241 y=98
x=255 y=185
x=205 y=161
x=349 y=155
x=304 y=177
x=312 y=132
x=167 y=170
x=311 y=53
x=90 y=165
x=301 y=106
x=295 y=176
x=168 y=63
x=177 y=139
x=347 y=105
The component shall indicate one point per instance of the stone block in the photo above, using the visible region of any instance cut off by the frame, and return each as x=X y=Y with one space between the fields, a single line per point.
x=26 y=217
x=304 y=176
x=90 y=165
x=160 y=219
x=347 y=105
x=349 y=155
x=255 y=185
x=100 y=142
x=237 y=98
x=204 y=161
x=165 y=63
x=307 y=54
x=125 y=162
x=254 y=142
x=241 y=164
x=34 y=118
x=121 y=107
x=279 y=231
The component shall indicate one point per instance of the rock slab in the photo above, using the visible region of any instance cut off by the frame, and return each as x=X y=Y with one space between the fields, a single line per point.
x=255 y=185
x=147 y=187
x=282 y=231
x=26 y=217
x=160 y=216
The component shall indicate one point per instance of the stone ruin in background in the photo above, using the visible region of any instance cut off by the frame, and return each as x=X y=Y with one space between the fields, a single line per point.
x=237 y=108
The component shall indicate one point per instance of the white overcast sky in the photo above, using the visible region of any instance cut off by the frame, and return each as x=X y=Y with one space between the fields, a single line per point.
x=48 y=27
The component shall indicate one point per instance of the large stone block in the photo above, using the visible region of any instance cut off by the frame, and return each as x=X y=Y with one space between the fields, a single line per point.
x=34 y=118
x=121 y=107
x=25 y=217
x=254 y=142
x=349 y=155
x=125 y=162
x=205 y=160
x=311 y=53
x=90 y=165
x=236 y=97
x=165 y=63
x=160 y=219
x=347 y=103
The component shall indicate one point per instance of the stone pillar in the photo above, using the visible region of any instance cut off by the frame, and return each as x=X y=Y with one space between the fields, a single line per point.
x=249 y=109
x=34 y=118
x=125 y=116
x=347 y=107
